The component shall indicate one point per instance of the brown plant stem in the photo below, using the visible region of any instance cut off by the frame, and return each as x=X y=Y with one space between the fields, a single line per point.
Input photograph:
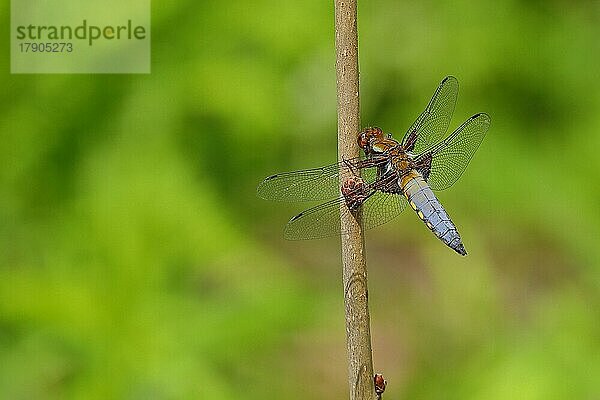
x=360 y=363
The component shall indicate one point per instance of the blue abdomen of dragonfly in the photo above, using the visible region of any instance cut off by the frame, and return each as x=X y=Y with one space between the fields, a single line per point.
x=431 y=212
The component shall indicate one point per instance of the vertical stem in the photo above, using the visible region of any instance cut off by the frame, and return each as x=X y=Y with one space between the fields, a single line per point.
x=360 y=363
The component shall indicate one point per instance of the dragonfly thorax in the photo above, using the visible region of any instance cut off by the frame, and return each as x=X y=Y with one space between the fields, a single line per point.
x=402 y=162
x=375 y=143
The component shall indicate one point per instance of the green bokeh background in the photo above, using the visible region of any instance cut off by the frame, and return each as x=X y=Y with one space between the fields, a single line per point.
x=137 y=263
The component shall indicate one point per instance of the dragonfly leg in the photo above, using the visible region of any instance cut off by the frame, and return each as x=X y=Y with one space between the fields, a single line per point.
x=351 y=167
x=387 y=183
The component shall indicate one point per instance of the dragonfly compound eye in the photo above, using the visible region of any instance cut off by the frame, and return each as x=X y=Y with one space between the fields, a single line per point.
x=366 y=137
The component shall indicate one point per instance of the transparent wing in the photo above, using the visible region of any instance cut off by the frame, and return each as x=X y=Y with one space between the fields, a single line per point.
x=450 y=158
x=324 y=220
x=316 y=222
x=431 y=126
x=316 y=183
x=382 y=207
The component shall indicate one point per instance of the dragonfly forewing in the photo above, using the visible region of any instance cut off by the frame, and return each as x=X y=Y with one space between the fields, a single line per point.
x=431 y=126
x=449 y=158
x=317 y=184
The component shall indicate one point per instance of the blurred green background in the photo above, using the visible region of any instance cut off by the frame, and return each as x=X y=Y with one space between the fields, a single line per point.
x=137 y=263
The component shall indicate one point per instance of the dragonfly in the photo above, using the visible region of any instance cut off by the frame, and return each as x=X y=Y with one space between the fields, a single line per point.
x=389 y=176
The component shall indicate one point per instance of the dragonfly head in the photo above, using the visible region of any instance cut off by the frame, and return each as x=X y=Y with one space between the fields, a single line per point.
x=367 y=137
